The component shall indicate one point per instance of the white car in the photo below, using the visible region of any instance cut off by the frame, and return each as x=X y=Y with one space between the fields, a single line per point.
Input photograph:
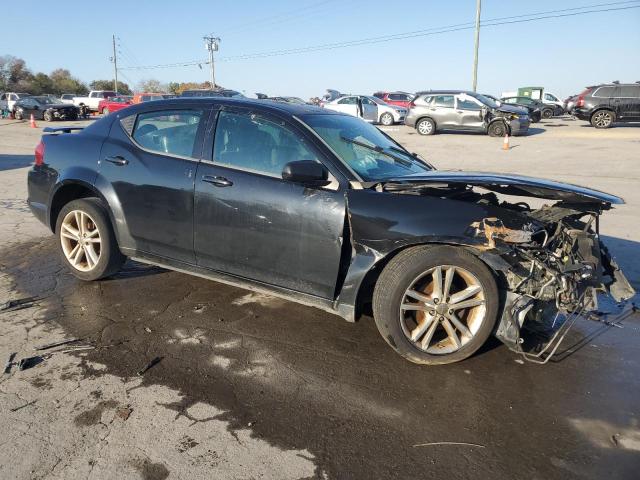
x=9 y=99
x=369 y=108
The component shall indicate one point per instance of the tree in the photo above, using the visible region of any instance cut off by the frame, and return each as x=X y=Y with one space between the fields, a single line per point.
x=14 y=74
x=41 y=84
x=173 y=87
x=63 y=82
x=123 y=88
x=152 y=85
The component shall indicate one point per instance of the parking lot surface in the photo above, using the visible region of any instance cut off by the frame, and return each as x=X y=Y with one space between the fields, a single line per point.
x=248 y=386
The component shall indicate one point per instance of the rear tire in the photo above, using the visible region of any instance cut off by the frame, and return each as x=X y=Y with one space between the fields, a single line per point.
x=17 y=115
x=87 y=241
x=497 y=129
x=451 y=333
x=603 y=119
x=426 y=126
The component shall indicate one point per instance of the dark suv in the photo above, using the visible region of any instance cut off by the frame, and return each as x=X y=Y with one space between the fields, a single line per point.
x=605 y=104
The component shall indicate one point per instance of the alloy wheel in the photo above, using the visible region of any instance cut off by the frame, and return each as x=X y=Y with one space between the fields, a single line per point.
x=443 y=309
x=387 y=119
x=602 y=119
x=80 y=240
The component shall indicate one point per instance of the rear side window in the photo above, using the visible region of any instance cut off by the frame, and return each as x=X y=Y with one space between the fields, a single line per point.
x=604 y=92
x=630 y=91
x=254 y=143
x=443 y=101
x=348 y=101
x=171 y=132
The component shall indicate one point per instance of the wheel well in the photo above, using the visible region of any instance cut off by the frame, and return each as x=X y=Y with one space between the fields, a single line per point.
x=65 y=195
x=365 y=291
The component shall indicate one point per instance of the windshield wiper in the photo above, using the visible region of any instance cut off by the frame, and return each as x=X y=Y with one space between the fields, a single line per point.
x=378 y=149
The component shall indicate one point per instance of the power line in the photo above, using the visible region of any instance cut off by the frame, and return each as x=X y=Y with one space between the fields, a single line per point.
x=412 y=34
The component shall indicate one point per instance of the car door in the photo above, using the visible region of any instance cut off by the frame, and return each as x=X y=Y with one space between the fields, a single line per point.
x=442 y=110
x=626 y=102
x=251 y=223
x=369 y=110
x=347 y=105
x=29 y=107
x=148 y=162
x=469 y=112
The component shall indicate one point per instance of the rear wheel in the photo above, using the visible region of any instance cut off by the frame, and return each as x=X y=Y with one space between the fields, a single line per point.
x=426 y=126
x=602 y=119
x=497 y=129
x=18 y=115
x=87 y=241
x=435 y=304
x=386 y=119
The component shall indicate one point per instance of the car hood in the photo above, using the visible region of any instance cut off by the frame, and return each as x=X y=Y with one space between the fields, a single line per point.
x=512 y=109
x=509 y=184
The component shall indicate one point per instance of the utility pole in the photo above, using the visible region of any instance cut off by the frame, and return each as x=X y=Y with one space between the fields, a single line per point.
x=475 y=55
x=212 y=45
x=115 y=66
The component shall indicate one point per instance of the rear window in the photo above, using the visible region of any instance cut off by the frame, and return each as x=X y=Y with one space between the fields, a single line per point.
x=443 y=101
x=170 y=132
x=604 y=92
x=398 y=97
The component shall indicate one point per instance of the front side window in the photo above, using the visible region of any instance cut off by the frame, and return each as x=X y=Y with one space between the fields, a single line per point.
x=170 y=132
x=443 y=101
x=252 y=142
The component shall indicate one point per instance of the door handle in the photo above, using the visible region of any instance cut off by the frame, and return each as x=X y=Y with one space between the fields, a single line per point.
x=117 y=160
x=217 y=181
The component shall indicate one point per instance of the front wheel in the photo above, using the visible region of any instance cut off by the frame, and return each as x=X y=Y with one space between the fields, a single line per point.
x=547 y=113
x=386 y=119
x=602 y=119
x=47 y=117
x=426 y=126
x=87 y=241
x=497 y=129
x=18 y=115
x=435 y=304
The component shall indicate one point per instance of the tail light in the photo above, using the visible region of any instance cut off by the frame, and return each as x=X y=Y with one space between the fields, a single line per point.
x=39 y=154
x=412 y=104
x=580 y=100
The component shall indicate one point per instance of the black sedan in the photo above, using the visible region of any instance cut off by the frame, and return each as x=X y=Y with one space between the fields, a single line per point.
x=324 y=209
x=544 y=110
x=44 y=108
x=534 y=113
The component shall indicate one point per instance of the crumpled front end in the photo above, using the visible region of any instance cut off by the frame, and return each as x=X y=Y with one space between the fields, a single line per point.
x=557 y=264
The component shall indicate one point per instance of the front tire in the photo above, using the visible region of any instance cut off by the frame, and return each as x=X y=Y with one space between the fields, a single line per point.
x=47 y=117
x=547 y=113
x=435 y=304
x=497 y=129
x=426 y=126
x=386 y=119
x=603 y=119
x=86 y=239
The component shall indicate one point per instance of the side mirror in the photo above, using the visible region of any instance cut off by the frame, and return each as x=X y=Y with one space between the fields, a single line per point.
x=306 y=172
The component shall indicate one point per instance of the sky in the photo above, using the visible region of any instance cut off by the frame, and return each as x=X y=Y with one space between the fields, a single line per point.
x=561 y=54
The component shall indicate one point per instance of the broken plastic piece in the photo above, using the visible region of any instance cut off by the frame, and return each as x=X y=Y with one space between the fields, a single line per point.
x=30 y=362
x=7 y=366
x=18 y=304
x=46 y=346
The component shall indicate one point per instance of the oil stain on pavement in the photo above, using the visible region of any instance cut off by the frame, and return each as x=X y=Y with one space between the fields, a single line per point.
x=302 y=379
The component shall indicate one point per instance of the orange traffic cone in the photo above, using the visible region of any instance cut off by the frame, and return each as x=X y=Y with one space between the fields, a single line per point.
x=32 y=122
x=505 y=144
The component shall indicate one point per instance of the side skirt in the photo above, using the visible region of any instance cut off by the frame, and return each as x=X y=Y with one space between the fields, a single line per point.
x=244 y=283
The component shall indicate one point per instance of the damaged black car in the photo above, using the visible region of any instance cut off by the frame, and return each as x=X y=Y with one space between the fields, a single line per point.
x=324 y=209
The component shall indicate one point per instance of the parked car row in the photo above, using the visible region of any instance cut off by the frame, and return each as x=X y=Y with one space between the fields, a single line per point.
x=603 y=105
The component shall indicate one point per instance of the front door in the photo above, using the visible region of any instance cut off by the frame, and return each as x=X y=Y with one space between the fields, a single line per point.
x=369 y=110
x=150 y=160
x=251 y=223
x=626 y=102
x=469 y=112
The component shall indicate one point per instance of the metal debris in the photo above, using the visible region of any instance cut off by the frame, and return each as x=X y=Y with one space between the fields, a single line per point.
x=18 y=304
x=7 y=366
x=449 y=443
x=149 y=365
x=46 y=346
x=30 y=362
x=23 y=406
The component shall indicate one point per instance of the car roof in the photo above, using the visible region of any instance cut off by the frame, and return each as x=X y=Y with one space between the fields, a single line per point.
x=278 y=107
x=445 y=92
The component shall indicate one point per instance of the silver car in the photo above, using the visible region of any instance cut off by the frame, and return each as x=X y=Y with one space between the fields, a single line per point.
x=464 y=111
x=369 y=108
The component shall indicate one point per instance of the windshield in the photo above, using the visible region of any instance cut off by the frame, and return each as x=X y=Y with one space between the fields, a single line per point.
x=44 y=100
x=364 y=148
x=486 y=100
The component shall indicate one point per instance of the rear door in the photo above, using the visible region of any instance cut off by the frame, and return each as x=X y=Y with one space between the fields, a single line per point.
x=347 y=105
x=442 y=110
x=149 y=161
x=626 y=102
x=251 y=223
